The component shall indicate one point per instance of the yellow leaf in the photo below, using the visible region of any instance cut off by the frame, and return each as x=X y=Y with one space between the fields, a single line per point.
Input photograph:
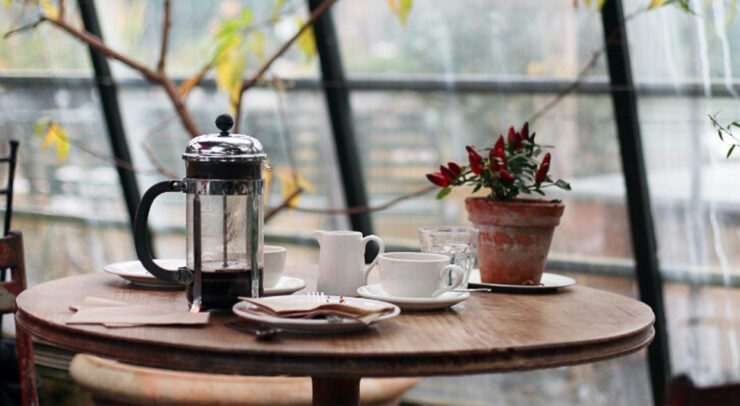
x=600 y=4
x=187 y=85
x=57 y=136
x=229 y=70
x=62 y=145
x=306 y=41
x=268 y=179
x=656 y=4
x=7 y=3
x=289 y=183
x=257 y=45
x=401 y=8
x=49 y=9
x=277 y=7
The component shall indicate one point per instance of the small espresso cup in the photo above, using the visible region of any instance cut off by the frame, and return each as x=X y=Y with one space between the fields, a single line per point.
x=274 y=265
x=418 y=274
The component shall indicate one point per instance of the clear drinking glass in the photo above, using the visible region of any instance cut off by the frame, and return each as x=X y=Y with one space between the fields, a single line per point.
x=459 y=243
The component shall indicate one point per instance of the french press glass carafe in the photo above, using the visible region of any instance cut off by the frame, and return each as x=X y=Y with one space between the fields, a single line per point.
x=224 y=187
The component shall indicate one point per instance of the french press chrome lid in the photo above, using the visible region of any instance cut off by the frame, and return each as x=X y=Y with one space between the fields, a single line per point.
x=224 y=155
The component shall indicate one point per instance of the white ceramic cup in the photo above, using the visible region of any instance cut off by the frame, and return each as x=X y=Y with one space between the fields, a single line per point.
x=418 y=274
x=274 y=265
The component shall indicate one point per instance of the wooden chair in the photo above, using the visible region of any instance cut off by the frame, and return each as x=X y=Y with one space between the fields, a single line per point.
x=11 y=257
x=112 y=383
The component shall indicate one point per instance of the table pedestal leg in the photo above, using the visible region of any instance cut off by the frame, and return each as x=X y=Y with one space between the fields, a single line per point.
x=336 y=391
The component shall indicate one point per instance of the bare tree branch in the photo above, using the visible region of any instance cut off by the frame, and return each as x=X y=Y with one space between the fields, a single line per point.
x=283 y=205
x=266 y=65
x=98 y=45
x=150 y=154
x=22 y=28
x=366 y=209
x=152 y=75
x=165 y=36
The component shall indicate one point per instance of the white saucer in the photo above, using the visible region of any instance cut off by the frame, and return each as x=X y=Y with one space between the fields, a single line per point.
x=285 y=286
x=134 y=272
x=550 y=282
x=312 y=326
x=442 y=301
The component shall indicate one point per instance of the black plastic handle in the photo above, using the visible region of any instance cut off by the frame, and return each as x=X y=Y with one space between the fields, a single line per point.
x=181 y=275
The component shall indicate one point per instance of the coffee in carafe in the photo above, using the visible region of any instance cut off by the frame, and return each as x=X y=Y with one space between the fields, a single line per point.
x=224 y=186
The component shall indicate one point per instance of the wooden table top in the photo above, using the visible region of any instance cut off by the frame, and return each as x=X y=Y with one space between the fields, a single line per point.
x=486 y=333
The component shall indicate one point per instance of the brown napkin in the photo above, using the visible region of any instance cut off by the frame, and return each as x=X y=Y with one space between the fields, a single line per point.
x=112 y=313
x=307 y=307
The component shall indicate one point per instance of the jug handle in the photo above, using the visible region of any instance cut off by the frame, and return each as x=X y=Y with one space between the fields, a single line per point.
x=181 y=275
x=381 y=249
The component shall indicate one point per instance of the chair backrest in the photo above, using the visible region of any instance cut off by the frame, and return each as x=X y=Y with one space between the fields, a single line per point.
x=8 y=189
x=11 y=257
x=11 y=159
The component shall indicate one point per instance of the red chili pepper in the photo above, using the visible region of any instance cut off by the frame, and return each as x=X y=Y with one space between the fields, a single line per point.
x=454 y=168
x=500 y=154
x=541 y=173
x=546 y=159
x=525 y=131
x=511 y=136
x=438 y=179
x=475 y=160
x=472 y=151
x=505 y=176
x=447 y=173
x=499 y=143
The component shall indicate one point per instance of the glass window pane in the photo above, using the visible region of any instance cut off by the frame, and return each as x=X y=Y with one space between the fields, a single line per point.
x=511 y=39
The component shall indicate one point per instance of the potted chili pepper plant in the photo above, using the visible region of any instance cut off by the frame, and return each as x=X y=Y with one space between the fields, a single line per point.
x=515 y=231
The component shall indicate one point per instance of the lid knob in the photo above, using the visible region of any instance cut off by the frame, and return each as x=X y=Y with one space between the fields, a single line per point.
x=224 y=122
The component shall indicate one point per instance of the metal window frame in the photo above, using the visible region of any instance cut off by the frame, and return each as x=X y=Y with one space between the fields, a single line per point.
x=108 y=92
x=336 y=90
x=647 y=270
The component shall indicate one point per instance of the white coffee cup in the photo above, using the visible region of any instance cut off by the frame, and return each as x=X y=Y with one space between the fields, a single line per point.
x=418 y=274
x=274 y=265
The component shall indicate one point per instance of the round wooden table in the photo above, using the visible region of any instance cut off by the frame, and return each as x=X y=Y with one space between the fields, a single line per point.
x=486 y=333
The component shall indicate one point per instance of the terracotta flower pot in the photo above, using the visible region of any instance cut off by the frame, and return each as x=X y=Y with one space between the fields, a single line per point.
x=514 y=237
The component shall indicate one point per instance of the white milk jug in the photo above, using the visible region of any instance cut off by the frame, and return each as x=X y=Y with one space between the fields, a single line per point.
x=342 y=261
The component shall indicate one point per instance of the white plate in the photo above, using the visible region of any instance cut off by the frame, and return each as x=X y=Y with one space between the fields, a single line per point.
x=134 y=272
x=285 y=286
x=442 y=301
x=314 y=326
x=549 y=283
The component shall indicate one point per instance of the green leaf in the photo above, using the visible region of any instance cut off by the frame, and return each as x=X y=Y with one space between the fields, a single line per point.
x=444 y=192
x=38 y=128
x=719 y=132
x=477 y=187
x=733 y=10
x=562 y=184
x=246 y=19
x=729 y=151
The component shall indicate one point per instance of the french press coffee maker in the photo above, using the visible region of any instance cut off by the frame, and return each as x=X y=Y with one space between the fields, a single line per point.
x=224 y=187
